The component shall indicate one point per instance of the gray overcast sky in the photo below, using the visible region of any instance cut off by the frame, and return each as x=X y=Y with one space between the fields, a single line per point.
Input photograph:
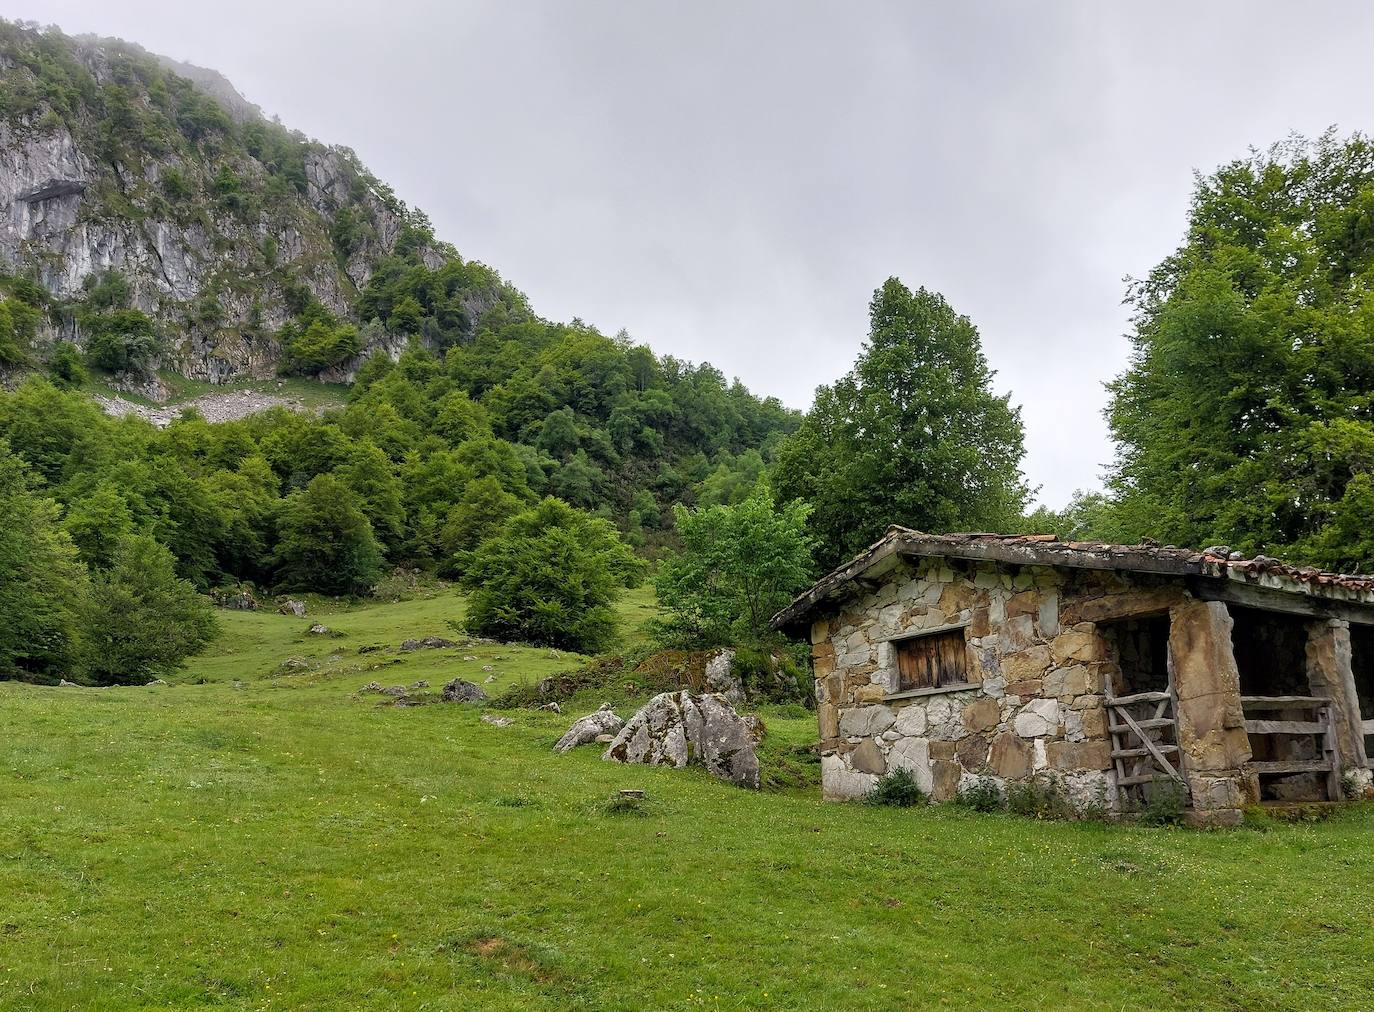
x=731 y=180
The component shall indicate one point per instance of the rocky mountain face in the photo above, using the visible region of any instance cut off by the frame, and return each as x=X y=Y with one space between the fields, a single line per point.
x=222 y=227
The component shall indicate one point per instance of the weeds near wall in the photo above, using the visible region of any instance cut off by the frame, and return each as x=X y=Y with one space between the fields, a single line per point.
x=981 y=795
x=897 y=788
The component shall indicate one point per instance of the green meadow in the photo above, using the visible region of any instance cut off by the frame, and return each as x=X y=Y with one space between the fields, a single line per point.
x=257 y=836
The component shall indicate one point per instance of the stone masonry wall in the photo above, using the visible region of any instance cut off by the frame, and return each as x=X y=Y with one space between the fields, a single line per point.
x=1037 y=664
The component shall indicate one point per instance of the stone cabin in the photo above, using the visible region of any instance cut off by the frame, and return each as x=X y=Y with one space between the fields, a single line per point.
x=1121 y=670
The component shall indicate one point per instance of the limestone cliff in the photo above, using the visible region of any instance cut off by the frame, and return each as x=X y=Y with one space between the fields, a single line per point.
x=222 y=225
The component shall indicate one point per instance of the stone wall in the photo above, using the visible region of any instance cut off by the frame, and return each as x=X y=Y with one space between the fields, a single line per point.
x=1037 y=666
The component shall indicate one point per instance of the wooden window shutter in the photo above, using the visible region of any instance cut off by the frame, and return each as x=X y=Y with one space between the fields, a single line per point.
x=928 y=662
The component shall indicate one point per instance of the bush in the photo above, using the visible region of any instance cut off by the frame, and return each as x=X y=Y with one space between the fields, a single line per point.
x=66 y=366
x=1041 y=797
x=549 y=576
x=1166 y=804
x=140 y=621
x=738 y=566
x=319 y=345
x=981 y=795
x=897 y=788
x=122 y=341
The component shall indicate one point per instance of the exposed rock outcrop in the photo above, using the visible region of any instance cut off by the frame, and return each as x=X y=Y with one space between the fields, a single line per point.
x=220 y=227
x=679 y=728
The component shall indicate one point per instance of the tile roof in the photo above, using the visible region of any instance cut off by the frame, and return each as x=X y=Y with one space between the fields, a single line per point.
x=1217 y=562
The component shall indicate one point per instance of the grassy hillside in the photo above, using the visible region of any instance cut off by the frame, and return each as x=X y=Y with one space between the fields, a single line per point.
x=278 y=843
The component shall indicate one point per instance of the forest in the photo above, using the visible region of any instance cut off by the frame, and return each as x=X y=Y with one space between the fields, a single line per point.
x=544 y=466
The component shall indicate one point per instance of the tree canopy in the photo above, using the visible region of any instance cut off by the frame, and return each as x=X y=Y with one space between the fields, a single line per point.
x=1246 y=415
x=738 y=566
x=912 y=435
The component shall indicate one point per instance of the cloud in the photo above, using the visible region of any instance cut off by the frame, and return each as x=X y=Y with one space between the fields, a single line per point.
x=731 y=181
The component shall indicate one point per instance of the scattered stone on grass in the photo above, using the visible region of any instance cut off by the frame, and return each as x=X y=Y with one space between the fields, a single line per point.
x=63 y=682
x=427 y=643
x=487 y=667
x=592 y=727
x=157 y=681
x=495 y=721
x=462 y=691
x=677 y=728
x=369 y=687
x=234 y=599
x=393 y=690
x=319 y=629
x=423 y=683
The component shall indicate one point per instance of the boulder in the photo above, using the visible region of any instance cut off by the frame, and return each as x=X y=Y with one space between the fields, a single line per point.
x=590 y=728
x=290 y=607
x=677 y=728
x=462 y=691
x=721 y=679
x=319 y=629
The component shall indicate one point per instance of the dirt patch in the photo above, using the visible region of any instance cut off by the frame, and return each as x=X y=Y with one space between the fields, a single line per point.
x=229 y=406
x=512 y=957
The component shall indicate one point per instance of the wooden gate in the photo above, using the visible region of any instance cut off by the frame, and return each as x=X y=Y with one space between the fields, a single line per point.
x=1318 y=722
x=1144 y=735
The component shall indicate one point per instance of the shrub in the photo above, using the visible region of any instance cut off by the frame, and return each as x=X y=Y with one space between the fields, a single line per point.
x=122 y=341
x=549 y=576
x=319 y=345
x=11 y=348
x=66 y=366
x=738 y=566
x=981 y=795
x=1166 y=804
x=140 y=620
x=899 y=788
x=1041 y=797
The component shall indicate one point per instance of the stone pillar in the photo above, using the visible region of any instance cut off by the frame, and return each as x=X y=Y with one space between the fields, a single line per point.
x=1211 y=723
x=1329 y=674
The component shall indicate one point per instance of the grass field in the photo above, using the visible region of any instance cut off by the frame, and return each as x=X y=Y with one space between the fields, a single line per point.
x=270 y=841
